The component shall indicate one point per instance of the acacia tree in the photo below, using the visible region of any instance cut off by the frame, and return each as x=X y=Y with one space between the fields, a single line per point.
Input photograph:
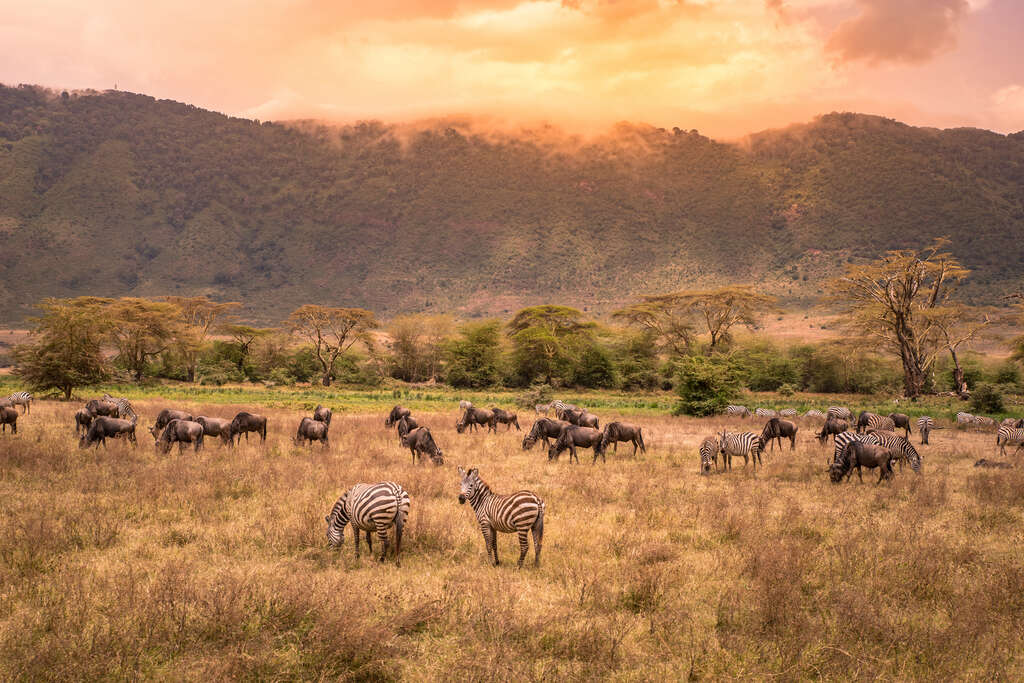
x=244 y=336
x=66 y=347
x=141 y=330
x=546 y=339
x=666 y=317
x=417 y=344
x=198 y=315
x=332 y=331
x=903 y=302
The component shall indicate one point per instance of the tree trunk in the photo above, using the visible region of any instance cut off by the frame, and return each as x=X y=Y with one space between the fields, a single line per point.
x=67 y=392
x=959 y=381
x=327 y=379
x=913 y=377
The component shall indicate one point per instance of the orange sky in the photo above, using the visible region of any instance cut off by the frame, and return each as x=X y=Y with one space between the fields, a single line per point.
x=726 y=67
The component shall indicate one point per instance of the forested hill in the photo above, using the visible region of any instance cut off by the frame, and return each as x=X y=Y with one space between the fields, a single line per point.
x=121 y=194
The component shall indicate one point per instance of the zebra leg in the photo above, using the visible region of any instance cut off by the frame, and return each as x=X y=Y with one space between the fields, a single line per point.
x=524 y=545
x=356 y=534
x=382 y=534
x=538 y=536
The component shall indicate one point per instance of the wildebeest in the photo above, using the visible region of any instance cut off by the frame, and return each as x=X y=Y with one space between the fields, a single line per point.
x=572 y=436
x=216 y=426
x=182 y=432
x=83 y=418
x=506 y=418
x=420 y=441
x=832 y=427
x=775 y=430
x=543 y=429
x=614 y=432
x=243 y=423
x=322 y=414
x=103 y=427
x=902 y=422
x=993 y=463
x=476 y=416
x=312 y=430
x=396 y=414
x=168 y=414
x=858 y=455
x=580 y=418
x=405 y=425
x=863 y=420
x=9 y=416
x=100 y=407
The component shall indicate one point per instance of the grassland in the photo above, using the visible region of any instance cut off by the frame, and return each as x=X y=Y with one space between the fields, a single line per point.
x=122 y=563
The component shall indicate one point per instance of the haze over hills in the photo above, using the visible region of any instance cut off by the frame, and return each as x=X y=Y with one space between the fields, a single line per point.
x=120 y=194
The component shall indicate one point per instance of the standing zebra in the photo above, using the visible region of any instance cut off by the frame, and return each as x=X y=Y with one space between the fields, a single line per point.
x=963 y=418
x=20 y=398
x=838 y=413
x=745 y=444
x=765 y=412
x=520 y=512
x=1009 y=436
x=925 y=425
x=124 y=407
x=740 y=411
x=815 y=414
x=708 y=454
x=902 y=449
x=370 y=507
x=787 y=412
x=877 y=423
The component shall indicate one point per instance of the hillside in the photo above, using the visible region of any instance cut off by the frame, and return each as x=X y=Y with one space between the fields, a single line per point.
x=118 y=194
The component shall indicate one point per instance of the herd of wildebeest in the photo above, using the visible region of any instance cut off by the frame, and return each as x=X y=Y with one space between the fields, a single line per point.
x=868 y=442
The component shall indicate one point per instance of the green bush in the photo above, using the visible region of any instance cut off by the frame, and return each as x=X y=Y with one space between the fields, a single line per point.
x=218 y=372
x=280 y=376
x=986 y=399
x=594 y=369
x=706 y=385
x=787 y=390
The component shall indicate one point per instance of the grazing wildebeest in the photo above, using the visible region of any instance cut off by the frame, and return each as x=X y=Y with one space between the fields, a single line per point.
x=863 y=421
x=103 y=427
x=83 y=418
x=216 y=426
x=100 y=407
x=902 y=422
x=405 y=425
x=182 y=432
x=775 y=429
x=243 y=423
x=396 y=414
x=832 y=427
x=168 y=414
x=9 y=416
x=580 y=418
x=322 y=414
x=858 y=455
x=543 y=429
x=506 y=418
x=572 y=436
x=312 y=430
x=420 y=441
x=476 y=416
x=614 y=432
x=993 y=463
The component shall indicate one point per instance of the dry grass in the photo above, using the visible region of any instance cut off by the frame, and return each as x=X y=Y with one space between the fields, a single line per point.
x=122 y=563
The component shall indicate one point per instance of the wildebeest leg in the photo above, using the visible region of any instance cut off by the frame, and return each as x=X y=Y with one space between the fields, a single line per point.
x=635 y=447
x=792 y=443
x=413 y=451
x=859 y=476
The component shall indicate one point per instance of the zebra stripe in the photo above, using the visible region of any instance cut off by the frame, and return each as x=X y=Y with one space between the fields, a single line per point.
x=815 y=414
x=841 y=441
x=984 y=421
x=787 y=412
x=902 y=449
x=925 y=425
x=124 y=407
x=520 y=512
x=765 y=412
x=880 y=423
x=560 y=408
x=1009 y=436
x=964 y=418
x=20 y=398
x=838 y=413
x=743 y=444
x=370 y=507
x=708 y=454
x=742 y=411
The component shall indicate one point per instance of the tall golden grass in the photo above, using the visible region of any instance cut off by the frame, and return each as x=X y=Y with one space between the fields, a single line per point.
x=122 y=563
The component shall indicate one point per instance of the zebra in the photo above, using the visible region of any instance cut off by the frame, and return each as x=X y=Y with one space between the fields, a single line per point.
x=124 y=407
x=745 y=444
x=787 y=412
x=519 y=512
x=765 y=412
x=20 y=398
x=542 y=409
x=842 y=439
x=1009 y=436
x=963 y=418
x=902 y=449
x=815 y=414
x=984 y=421
x=709 y=448
x=561 y=408
x=741 y=411
x=925 y=425
x=370 y=507
x=879 y=423
x=838 y=413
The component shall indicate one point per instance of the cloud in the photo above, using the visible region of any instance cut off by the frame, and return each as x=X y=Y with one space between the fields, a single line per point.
x=910 y=31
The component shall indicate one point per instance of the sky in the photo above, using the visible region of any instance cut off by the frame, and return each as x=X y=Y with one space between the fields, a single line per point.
x=724 y=67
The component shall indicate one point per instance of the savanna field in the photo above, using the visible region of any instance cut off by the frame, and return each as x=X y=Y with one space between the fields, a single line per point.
x=125 y=563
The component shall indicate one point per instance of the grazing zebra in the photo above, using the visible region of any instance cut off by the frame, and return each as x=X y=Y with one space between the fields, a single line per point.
x=984 y=421
x=838 y=413
x=787 y=412
x=1009 y=436
x=709 y=448
x=745 y=444
x=20 y=398
x=815 y=414
x=370 y=507
x=741 y=411
x=765 y=412
x=124 y=407
x=925 y=425
x=519 y=512
x=963 y=418
x=902 y=449
x=879 y=423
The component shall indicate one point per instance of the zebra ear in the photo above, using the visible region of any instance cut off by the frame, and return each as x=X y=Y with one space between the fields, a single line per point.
x=327 y=518
x=474 y=471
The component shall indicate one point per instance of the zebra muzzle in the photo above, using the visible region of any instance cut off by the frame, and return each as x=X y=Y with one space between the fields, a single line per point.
x=462 y=499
